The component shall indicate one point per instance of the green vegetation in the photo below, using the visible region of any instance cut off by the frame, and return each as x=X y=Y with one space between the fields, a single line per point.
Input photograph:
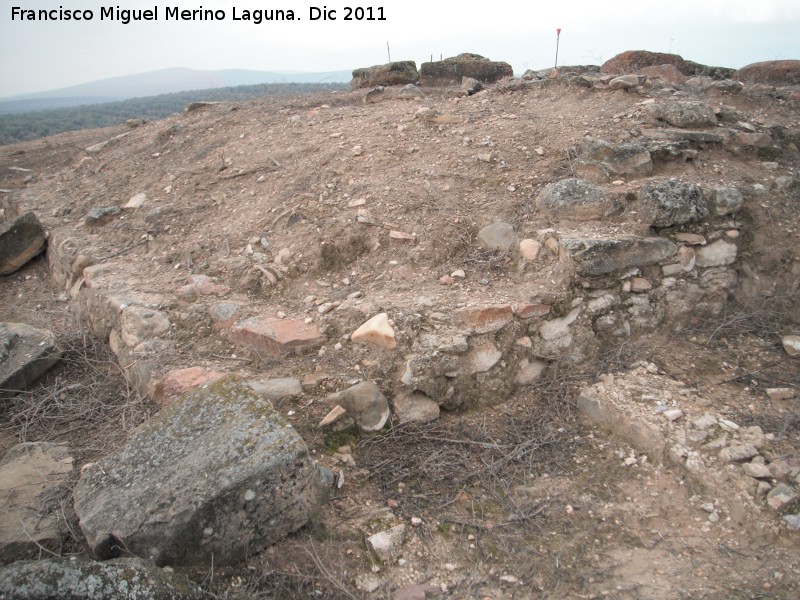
x=33 y=125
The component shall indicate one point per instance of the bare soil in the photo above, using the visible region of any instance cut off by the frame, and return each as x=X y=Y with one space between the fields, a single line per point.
x=519 y=500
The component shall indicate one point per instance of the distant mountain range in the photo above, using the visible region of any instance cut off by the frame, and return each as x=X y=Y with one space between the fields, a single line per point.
x=154 y=83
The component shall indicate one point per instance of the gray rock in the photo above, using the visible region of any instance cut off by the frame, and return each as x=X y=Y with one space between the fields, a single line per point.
x=21 y=239
x=393 y=73
x=97 y=217
x=780 y=496
x=792 y=522
x=497 y=236
x=450 y=71
x=738 y=453
x=217 y=475
x=683 y=135
x=602 y=256
x=717 y=254
x=471 y=85
x=684 y=113
x=365 y=403
x=415 y=408
x=77 y=579
x=277 y=389
x=668 y=203
x=28 y=471
x=576 y=199
x=626 y=82
x=410 y=92
x=26 y=353
x=386 y=544
x=607 y=159
x=727 y=201
x=375 y=95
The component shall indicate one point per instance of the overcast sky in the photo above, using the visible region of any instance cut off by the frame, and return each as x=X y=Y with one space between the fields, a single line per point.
x=38 y=56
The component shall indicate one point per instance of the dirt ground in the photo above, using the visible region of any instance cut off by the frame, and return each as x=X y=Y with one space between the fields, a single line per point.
x=524 y=499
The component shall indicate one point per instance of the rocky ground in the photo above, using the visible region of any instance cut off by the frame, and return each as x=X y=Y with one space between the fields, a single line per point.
x=588 y=388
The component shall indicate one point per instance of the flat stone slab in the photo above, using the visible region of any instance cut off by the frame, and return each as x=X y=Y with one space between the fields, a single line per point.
x=26 y=353
x=28 y=471
x=212 y=478
x=602 y=256
x=280 y=336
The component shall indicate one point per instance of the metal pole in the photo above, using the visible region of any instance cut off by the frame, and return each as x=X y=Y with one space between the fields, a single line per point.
x=388 y=52
x=558 y=37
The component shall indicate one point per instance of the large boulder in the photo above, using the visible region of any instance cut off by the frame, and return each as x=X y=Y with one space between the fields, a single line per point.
x=79 y=579
x=451 y=71
x=773 y=72
x=576 y=199
x=668 y=203
x=26 y=353
x=28 y=472
x=21 y=239
x=684 y=113
x=213 y=477
x=633 y=61
x=393 y=73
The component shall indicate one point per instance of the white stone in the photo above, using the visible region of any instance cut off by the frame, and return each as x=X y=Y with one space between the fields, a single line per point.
x=386 y=544
x=376 y=331
x=791 y=344
x=529 y=249
x=717 y=254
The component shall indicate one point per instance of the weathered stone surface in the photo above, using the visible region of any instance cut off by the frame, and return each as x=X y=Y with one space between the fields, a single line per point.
x=727 y=201
x=671 y=134
x=410 y=92
x=669 y=74
x=280 y=336
x=26 y=353
x=201 y=285
x=483 y=319
x=218 y=473
x=80 y=579
x=683 y=113
x=136 y=201
x=415 y=408
x=756 y=470
x=375 y=95
x=27 y=472
x=471 y=85
x=277 y=389
x=376 y=331
x=613 y=160
x=179 y=381
x=528 y=311
x=497 y=236
x=393 y=73
x=738 y=453
x=365 y=403
x=450 y=71
x=716 y=254
x=668 y=203
x=783 y=393
x=576 y=199
x=773 y=72
x=780 y=496
x=21 y=239
x=791 y=344
x=602 y=256
x=140 y=323
x=387 y=544
x=626 y=82
x=102 y=215
x=753 y=140
x=633 y=61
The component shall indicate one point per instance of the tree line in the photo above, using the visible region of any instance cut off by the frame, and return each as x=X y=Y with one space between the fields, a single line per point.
x=23 y=127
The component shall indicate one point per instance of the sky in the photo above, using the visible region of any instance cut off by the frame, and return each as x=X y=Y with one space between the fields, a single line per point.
x=44 y=55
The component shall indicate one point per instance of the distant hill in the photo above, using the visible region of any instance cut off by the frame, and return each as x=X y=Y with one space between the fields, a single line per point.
x=155 y=83
x=22 y=126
